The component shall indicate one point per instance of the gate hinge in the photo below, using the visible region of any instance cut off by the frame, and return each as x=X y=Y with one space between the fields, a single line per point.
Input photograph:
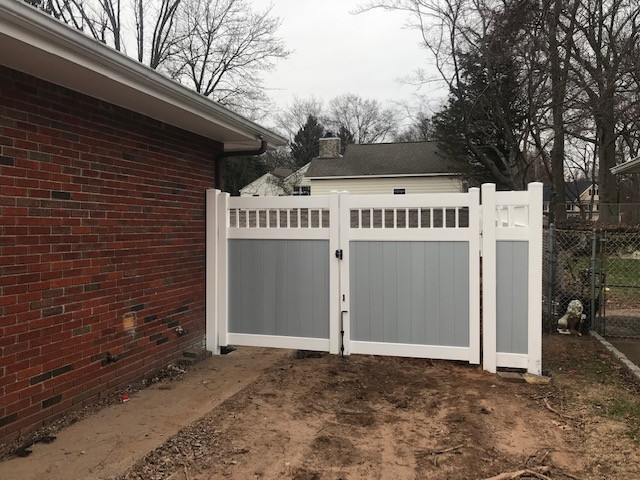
x=339 y=254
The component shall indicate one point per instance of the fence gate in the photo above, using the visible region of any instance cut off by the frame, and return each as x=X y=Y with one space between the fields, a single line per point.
x=273 y=274
x=410 y=275
x=376 y=274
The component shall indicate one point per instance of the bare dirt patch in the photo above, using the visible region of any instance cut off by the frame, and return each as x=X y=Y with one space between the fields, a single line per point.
x=364 y=417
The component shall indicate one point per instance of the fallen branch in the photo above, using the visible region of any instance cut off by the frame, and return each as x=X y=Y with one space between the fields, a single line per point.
x=422 y=453
x=568 y=475
x=537 y=472
x=551 y=409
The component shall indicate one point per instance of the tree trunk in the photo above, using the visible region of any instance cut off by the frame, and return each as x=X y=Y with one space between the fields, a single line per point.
x=558 y=87
x=607 y=182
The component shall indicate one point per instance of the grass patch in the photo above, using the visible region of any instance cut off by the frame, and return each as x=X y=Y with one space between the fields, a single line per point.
x=629 y=411
x=623 y=276
x=601 y=370
x=625 y=409
x=579 y=357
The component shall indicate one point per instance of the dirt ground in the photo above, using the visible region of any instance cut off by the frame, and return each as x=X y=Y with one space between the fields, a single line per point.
x=105 y=439
x=363 y=417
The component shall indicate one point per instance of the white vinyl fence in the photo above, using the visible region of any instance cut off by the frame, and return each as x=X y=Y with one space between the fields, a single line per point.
x=379 y=274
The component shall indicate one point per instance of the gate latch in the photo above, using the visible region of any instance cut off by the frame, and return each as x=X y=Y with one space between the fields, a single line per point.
x=339 y=254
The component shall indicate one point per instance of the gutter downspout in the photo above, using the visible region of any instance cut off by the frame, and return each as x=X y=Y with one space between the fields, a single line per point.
x=219 y=161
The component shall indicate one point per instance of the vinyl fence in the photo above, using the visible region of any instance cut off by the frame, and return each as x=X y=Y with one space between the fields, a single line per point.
x=379 y=274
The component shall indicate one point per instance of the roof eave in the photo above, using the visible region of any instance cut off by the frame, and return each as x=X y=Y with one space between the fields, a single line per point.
x=389 y=175
x=632 y=166
x=40 y=45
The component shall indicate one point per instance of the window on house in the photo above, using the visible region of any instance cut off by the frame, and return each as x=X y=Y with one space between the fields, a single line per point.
x=399 y=191
x=545 y=207
x=569 y=207
x=302 y=190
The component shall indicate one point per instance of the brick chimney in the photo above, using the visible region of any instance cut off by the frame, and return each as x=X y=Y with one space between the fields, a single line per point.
x=329 y=147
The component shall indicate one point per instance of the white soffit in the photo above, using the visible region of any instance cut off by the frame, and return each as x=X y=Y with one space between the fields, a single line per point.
x=35 y=43
x=632 y=166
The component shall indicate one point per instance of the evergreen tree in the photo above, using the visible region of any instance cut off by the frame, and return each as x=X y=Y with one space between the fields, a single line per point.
x=305 y=144
x=241 y=171
x=346 y=137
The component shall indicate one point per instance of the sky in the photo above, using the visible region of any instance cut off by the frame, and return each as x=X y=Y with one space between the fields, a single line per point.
x=336 y=52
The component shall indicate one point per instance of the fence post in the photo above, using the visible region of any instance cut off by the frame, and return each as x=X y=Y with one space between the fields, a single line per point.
x=345 y=298
x=488 y=209
x=474 y=276
x=211 y=284
x=222 y=271
x=592 y=312
x=534 y=347
x=551 y=266
x=335 y=304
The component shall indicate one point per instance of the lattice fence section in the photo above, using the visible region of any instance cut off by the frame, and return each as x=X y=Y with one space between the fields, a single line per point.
x=512 y=216
x=427 y=217
x=278 y=218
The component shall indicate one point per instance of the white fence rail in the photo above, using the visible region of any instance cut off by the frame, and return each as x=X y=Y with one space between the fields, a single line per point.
x=379 y=274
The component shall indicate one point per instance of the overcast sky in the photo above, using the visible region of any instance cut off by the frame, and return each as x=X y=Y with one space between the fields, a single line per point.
x=335 y=52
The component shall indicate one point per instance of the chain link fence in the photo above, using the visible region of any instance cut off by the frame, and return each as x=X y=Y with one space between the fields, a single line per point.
x=620 y=259
x=600 y=266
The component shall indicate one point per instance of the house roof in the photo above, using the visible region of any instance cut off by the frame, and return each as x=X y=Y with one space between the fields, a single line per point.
x=268 y=177
x=284 y=175
x=38 y=44
x=572 y=190
x=298 y=174
x=632 y=166
x=385 y=160
x=281 y=172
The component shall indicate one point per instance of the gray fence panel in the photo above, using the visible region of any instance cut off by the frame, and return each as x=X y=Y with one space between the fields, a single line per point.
x=279 y=287
x=410 y=292
x=512 y=272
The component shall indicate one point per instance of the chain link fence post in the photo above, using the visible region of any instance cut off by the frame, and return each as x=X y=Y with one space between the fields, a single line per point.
x=592 y=310
x=551 y=277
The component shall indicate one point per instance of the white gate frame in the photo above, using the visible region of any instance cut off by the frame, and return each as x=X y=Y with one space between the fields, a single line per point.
x=513 y=216
x=395 y=203
x=501 y=216
x=220 y=231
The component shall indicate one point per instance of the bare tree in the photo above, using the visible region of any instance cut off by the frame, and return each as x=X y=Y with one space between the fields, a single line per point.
x=604 y=65
x=292 y=118
x=474 y=46
x=159 y=18
x=560 y=22
x=224 y=45
x=217 y=47
x=365 y=120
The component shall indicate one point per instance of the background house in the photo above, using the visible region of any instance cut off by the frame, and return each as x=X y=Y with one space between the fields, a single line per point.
x=580 y=198
x=279 y=182
x=383 y=168
x=104 y=165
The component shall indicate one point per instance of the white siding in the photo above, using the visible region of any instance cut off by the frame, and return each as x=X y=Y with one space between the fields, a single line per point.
x=269 y=185
x=440 y=184
x=297 y=178
x=265 y=186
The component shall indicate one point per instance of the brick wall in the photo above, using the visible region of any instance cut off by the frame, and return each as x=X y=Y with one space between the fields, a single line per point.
x=101 y=219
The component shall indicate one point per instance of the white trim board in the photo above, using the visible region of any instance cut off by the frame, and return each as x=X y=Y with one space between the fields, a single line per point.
x=250 y=340
x=389 y=175
x=410 y=350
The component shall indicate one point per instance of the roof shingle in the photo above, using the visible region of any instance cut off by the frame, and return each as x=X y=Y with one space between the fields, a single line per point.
x=380 y=159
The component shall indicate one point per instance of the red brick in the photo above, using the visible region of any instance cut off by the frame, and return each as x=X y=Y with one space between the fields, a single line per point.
x=123 y=231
